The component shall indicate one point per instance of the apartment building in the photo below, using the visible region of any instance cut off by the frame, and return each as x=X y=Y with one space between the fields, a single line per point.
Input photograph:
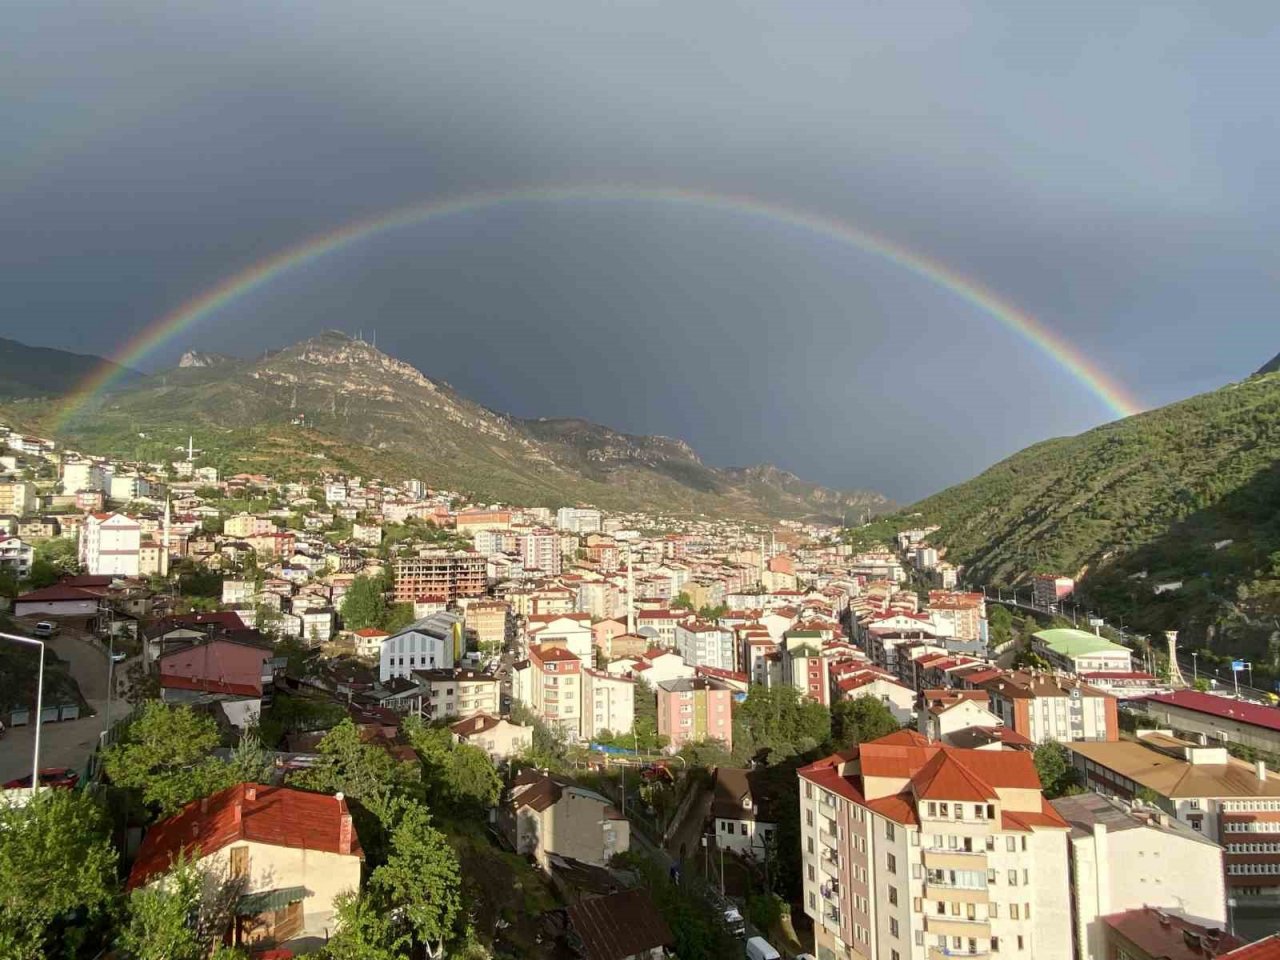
x=578 y=520
x=703 y=644
x=571 y=631
x=432 y=643
x=18 y=497
x=490 y=622
x=248 y=525
x=470 y=521
x=540 y=550
x=916 y=851
x=442 y=574
x=608 y=703
x=1127 y=856
x=110 y=544
x=1078 y=651
x=458 y=692
x=958 y=615
x=16 y=556
x=1228 y=801
x=691 y=709
x=1049 y=589
x=1045 y=707
x=550 y=684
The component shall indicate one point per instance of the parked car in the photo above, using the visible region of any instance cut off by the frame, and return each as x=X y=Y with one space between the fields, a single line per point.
x=45 y=628
x=119 y=657
x=63 y=777
x=758 y=948
x=734 y=923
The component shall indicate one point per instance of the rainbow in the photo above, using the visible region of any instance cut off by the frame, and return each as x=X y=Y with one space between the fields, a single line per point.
x=1114 y=395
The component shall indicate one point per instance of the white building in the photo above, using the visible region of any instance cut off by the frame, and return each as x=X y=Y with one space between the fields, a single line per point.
x=83 y=475
x=703 y=644
x=608 y=703
x=578 y=520
x=110 y=544
x=432 y=643
x=540 y=550
x=16 y=556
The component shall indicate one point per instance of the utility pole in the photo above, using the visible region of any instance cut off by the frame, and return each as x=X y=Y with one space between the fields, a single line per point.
x=35 y=755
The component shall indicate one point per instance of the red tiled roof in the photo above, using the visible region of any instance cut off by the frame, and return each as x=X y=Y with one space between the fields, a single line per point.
x=1169 y=936
x=1241 y=712
x=56 y=592
x=208 y=685
x=1266 y=949
x=279 y=816
x=944 y=777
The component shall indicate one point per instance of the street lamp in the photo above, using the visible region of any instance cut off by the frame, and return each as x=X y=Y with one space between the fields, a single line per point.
x=1195 y=666
x=35 y=758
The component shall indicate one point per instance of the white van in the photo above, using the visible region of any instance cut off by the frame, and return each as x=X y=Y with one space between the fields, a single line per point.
x=758 y=948
x=45 y=628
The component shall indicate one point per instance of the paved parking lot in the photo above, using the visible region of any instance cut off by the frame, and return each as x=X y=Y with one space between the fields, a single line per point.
x=67 y=743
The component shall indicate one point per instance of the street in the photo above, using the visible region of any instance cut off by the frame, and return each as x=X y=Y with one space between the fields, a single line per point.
x=66 y=743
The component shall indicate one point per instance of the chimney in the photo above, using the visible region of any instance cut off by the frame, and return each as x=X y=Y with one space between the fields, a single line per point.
x=204 y=804
x=1261 y=769
x=238 y=815
x=251 y=791
x=344 y=833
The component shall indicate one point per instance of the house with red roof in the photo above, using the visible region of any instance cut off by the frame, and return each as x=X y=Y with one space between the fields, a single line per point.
x=1218 y=719
x=279 y=856
x=57 y=600
x=221 y=668
x=905 y=842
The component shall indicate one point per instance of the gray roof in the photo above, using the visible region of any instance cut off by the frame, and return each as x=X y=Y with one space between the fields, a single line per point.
x=1083 y=811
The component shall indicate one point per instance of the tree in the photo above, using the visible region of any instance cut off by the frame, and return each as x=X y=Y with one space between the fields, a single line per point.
x=420 y=884
x=166 y=755
x=682 y=602
x=1058 y=778
x=645 y=726
x=362 y=771
x=457 y=775
x=250 y=761
x=56 y=859
x=397 y=617
x=999 y=624
x=8 y=583
x=859 y=720
x=160 y=923
x=364 y=604
x=780 y=720
x=364 y=932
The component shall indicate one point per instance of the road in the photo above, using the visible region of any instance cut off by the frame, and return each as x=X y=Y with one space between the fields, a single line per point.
x=67 y=743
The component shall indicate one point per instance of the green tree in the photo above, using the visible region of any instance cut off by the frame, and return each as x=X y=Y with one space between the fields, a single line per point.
x=166 y=755
x=160 y=923
x=397 y=617
x=364 y=604
x=1058 y=777
x=548 y=748
x=421 y=883
x=859 y=720
x=645 y=729
x=457 y=775
x=56 y=861
x=779 y=720
x=682 y=602
x=999 y=624
x=364 y=931
x=8 y=583
x=362 y=771
x=250 y=760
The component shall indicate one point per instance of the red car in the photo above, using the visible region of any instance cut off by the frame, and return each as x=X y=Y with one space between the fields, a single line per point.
x=63 y=777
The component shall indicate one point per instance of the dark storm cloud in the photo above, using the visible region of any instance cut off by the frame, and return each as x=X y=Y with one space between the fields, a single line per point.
x=1103 y=166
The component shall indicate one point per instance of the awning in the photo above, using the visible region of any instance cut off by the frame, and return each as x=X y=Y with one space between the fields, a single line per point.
x=252 y=904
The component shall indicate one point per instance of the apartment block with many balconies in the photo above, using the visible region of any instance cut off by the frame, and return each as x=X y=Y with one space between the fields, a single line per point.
x=917 y=851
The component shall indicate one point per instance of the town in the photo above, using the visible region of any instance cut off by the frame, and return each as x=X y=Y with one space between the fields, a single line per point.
x=366 y=718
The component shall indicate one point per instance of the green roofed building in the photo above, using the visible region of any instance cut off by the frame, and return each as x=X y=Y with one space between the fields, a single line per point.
x=1081 y=652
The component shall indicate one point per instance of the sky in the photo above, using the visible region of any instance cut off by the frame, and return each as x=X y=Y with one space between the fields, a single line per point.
x=1107 y=168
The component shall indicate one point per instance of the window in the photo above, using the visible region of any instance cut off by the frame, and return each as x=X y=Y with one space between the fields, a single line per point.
x=893 y=896
x=919 y=938
x=933 y=809
x=995 y=942
x=809 y=844
x=808 y=790
x=891 y=863
x=812 y=877
x=893 y=927
x=1013 y=878
x=993 y=910
x=1013 y=912
x=894 y=954
x=888 y=831
x=1011 y=844
x=808 y=818
x=813 y=901
x=743 y=829
x=1019 y=941
x=240 y=861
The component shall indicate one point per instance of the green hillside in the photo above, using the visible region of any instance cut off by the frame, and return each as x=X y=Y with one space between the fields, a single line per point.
x=44 y=372
x=1143 y=502
x=333 y=403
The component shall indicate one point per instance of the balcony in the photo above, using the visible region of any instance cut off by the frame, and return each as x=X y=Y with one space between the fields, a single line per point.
x=830 y=865
x=831 y=915
x=936 y=924
x=827 y=803
x=830 y=890
x=828 y=839
x=955 y=860
x=942 y=891
x=946 y=953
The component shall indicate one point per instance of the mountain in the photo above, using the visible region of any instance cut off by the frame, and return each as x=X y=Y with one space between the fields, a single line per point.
x=340 y=401
x=1185 y=498
x=1271 y=366
x=43 y=371
x=195 y=358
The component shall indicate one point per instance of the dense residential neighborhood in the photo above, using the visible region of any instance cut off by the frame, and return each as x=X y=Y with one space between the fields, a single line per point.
x=374 y=719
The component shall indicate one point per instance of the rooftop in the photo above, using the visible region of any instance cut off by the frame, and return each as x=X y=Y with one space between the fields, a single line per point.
x=1076 y=643
x=1253 y=714
x=1086 y=810
x=1158 y=933
x=1175 y=776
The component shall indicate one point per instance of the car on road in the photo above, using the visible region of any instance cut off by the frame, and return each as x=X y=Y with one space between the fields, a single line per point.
x=119 y=657
x=45 y=628
x=734 y=922
x=63 y=777
x=758 y=948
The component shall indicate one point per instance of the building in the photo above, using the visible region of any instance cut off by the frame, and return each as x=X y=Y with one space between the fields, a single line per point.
x=1217 y=719
x=432 y=643
x=1045 y=707
x=1049 y=589
x=469 y=522
x=1148 y=933
x=608 y=704
x=248 y=525
x=618 y=926
x=543 y=816
x=59 y=600
x=578 y=520
x=1231 y=802
x=16 y=556
x=499 y=738
x=550 y=684
x=458 y=692
x=703 y=644
x=742 y=816
x=368 y=642
x=540 y=550
x=1127 y=856
x=958 y=615
x=569 y=631
x=692 y=709
x=110 y=544
x=280 y=856
x=1078 y=651
x=231 y=671
x=948 y=713
x=912 y=849
x=490 y=622
x=447 y=575
x=18 y=497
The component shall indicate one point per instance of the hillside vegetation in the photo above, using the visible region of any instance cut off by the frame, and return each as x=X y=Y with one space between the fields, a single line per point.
x=44 y=372
x=335 y=403
x=1188 y=493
